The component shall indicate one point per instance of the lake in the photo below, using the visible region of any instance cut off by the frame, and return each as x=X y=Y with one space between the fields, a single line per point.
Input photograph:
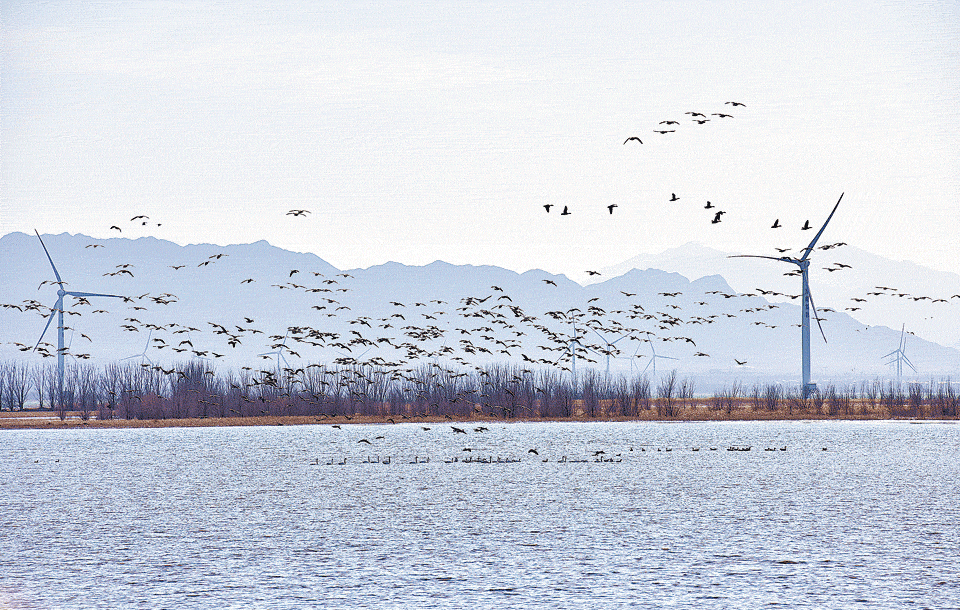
x=849 y=515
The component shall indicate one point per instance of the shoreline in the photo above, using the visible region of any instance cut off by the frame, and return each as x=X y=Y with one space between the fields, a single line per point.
x=48 y=420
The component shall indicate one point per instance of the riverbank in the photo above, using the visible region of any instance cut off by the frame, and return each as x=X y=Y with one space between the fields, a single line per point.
x=50 y=420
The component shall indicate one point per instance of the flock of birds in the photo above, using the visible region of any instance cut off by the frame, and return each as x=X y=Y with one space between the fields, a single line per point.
x=488 y=326
x=478 y=455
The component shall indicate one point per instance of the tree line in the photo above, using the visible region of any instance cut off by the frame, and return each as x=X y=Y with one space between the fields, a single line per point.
x=195 y=389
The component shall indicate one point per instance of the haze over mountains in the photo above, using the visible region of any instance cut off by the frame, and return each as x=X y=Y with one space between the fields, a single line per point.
x=937 y=322
x=227 y=308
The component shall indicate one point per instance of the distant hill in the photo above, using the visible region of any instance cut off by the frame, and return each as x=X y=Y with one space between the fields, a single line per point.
x=185 y=297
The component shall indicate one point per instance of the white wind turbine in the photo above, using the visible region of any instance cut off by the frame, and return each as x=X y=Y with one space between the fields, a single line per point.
x=279 y=354
x=571 y=348
x=142 y=355
x=898 y=356
x=58 y=309
x=803 y=263
x=653 y=358
x=610 y=346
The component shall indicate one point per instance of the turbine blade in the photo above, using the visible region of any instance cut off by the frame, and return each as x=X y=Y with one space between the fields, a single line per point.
x=910 y=364
x=815 y=316
x=817 y=237
x=49 y=320
x=92 y=294
x=55 y=272
x=782 y=259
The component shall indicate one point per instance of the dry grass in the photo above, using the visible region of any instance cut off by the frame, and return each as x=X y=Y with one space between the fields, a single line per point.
x=689 y=410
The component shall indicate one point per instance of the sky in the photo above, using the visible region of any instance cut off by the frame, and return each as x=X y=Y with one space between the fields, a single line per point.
x=422 y=131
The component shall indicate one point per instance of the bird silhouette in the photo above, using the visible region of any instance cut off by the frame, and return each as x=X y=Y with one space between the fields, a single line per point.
x=673 y=197
x=669 y=123
x=664 y=131
x=117 y=228
x=547 y=207
x=565 y=211
x=716 y=217
x=298 y=212
x=708 y=206
x=593 y=273
x=632 y=138
x=741 y=363
x=735 y=104
x=805 y=226
x=611 y=206
x=776 y=224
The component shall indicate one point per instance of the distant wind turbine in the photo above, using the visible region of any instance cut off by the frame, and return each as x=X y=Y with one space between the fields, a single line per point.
x=571 y=348
x=898 y=356
x=803 y=262
x=279 y=354
x=58 y=309
x=142 y=355
x=653 y=359
x=610 y=346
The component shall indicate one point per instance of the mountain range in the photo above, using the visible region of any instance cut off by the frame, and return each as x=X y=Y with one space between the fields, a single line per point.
x=236 y=305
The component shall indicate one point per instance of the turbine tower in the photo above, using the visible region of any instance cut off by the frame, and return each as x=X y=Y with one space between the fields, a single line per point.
x=898 y=356
x=58 y=309
x=804 y=263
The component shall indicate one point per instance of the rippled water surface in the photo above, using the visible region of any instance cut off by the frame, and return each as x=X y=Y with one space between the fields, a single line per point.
x=242 y=518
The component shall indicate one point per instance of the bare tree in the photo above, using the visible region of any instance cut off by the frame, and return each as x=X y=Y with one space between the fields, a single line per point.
x=666 y=396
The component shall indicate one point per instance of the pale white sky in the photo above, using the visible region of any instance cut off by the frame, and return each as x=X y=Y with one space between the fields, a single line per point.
x=416 y=131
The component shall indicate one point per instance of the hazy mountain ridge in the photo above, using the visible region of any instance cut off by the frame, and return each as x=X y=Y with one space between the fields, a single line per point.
x=937 y=322
x=448 y=311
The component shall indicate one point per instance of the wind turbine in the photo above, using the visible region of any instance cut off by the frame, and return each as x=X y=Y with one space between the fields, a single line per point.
x=804 y=262
x=898 y=356
x=142 y=355
x=653 y=358
x=58 y=309
x=279 y=354
x=572 y=349
x=610 y=346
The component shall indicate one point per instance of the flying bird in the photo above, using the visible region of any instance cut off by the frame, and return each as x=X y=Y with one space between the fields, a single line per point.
x=547 y=207
x=708 y=206
x=611 y=206
x=776 y=224
x=298 y=212
x=565 y=211
x=716 y=217
x=664 y=131
x=739 y=362
x=632 y=138
x=117 y=228
x=669 y=123
x=593 y=273
x=551 y=282
x=735 y=104
x=805 y=226
x=673 y=197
